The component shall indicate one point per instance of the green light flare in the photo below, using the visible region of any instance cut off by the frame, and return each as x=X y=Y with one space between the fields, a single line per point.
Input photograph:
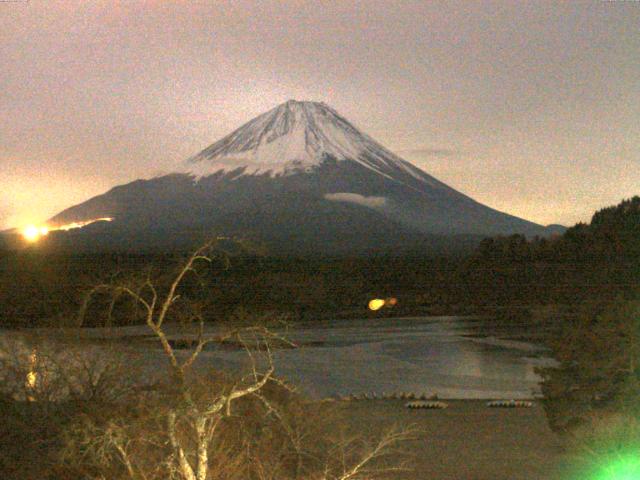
x=626 y=467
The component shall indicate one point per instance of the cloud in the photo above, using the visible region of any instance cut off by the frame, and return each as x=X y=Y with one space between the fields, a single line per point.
x=371 y=202
x=431 y=152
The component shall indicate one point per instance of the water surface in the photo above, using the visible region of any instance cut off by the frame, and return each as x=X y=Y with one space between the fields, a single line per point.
x=420 y=355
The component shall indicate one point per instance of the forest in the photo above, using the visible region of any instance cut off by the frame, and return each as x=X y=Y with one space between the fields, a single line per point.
x=576 y=293
x=589 y=263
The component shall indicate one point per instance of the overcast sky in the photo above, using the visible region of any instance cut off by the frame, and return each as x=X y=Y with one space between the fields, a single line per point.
x=532 y=108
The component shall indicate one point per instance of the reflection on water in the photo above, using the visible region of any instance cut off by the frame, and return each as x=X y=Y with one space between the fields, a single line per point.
x=421 y=355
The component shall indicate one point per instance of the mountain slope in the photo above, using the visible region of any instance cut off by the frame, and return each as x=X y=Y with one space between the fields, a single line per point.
x=297 y=177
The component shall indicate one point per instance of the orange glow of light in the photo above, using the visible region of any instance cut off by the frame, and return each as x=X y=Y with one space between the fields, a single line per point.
x=391 y=302
x=376 y=304
x=71 y=226
x=32 y=376
x=32 y=233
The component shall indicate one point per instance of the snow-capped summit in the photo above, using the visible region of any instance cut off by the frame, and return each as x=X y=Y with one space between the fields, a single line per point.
x=298 y=178
x=296 y=136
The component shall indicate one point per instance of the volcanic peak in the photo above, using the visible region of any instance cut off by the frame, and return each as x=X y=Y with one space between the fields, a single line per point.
x=294 y=136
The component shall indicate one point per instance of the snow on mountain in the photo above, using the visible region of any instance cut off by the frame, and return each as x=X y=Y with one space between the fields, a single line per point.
x=297 y=136
x=298 y=178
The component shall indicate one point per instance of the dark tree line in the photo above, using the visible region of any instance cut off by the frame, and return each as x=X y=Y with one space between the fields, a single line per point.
x=587 y=263
x=612 y=235
x=598 y=351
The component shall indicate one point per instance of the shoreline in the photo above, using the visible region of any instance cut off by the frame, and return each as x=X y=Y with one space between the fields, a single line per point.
x=493 y=443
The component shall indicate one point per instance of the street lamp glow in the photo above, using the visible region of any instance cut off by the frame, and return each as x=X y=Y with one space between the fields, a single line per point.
x=376 y=304
x=31 y=233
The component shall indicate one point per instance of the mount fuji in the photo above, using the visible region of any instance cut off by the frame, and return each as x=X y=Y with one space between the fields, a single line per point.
x=298 y=178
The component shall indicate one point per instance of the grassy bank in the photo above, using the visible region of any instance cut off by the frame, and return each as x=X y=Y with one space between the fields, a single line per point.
x=467 y=441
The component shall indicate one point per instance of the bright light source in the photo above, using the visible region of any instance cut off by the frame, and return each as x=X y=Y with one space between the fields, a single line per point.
x=625 y=467
x=32 y=376
x=71 y=226
x=31 y=233
x=376 y=304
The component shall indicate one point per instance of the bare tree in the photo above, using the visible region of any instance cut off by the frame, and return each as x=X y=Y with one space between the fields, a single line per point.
x=192 y=462
x=62 y=366
x=47 y=379
x=189 y=421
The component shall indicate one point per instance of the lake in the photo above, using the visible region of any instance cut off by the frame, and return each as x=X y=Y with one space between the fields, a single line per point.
x=430 y=355
x=423 y=355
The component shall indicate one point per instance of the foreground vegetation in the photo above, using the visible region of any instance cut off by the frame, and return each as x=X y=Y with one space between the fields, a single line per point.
x=77 y=411
x=578 y=292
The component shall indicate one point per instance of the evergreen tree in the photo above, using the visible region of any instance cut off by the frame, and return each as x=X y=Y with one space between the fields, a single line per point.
x=599 y=366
